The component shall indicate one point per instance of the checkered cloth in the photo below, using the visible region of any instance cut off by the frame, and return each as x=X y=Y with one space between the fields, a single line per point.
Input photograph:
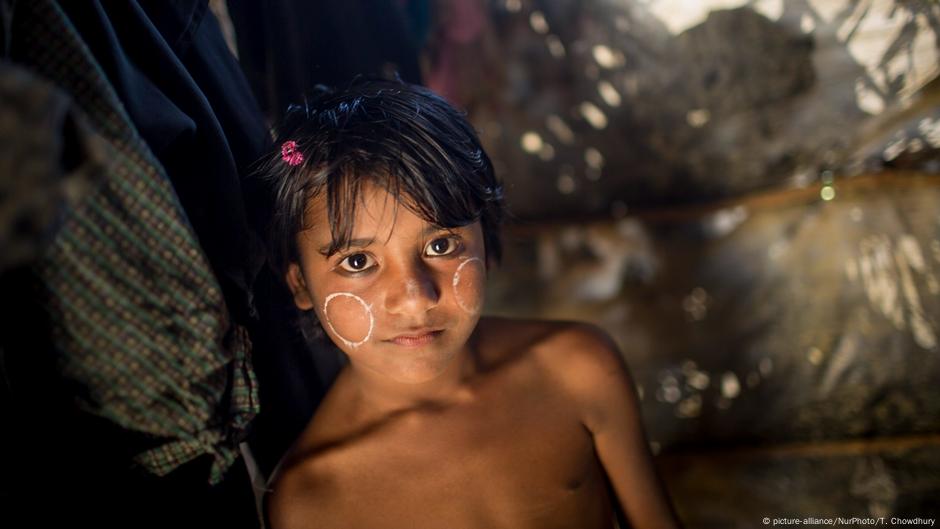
x=139 y=321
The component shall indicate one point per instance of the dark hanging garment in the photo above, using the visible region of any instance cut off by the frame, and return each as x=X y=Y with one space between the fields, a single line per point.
x=174 y=82
x=183 y=90
x=187 y=95
x=288 y=47
x=127 y=384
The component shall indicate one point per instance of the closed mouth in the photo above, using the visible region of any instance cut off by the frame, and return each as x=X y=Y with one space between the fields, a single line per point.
x=416 y=339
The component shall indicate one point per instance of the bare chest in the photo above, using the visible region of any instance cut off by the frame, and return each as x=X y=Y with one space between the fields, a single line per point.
x=528 y=464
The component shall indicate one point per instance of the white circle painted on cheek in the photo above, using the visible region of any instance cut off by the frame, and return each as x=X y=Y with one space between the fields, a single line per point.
x=368 y=309
x=460 y=302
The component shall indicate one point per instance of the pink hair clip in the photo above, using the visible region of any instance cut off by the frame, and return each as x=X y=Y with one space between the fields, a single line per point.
x=290 y=154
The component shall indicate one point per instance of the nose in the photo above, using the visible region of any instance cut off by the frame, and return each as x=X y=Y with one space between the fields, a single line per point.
x=412 y=290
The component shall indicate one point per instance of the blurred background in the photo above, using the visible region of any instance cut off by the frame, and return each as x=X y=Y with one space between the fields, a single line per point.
x=744 y=193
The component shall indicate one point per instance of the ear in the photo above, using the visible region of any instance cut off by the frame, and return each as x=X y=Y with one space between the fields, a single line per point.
x=298 y=287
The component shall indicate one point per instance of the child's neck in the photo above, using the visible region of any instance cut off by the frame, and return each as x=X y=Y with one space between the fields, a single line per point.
x=380 y=396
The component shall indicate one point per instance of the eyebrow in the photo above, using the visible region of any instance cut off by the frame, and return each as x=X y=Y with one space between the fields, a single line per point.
x=431 y=228
x=364 y=243
x=354 y=243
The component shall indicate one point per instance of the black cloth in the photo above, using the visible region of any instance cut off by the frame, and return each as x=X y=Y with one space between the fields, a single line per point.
x=288 y=47
x=188 y=97
x=185 y=93
x=99 y=347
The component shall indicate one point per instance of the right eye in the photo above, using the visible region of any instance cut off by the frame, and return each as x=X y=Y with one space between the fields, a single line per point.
x=441 y=246
x=356 y=262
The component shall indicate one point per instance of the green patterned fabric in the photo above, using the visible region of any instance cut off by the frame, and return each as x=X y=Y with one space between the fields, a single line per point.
x=139 y=321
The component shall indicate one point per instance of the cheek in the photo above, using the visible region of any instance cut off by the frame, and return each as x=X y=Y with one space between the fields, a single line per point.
x=468 y=282
x=349 y=317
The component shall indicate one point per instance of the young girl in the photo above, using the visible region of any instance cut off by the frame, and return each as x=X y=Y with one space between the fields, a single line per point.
x=387 y=221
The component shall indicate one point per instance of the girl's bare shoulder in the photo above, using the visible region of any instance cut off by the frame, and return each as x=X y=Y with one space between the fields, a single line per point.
x=564 y=348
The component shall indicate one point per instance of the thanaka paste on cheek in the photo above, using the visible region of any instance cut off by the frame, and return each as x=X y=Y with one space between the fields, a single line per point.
x=349 y=317
x=468 y=284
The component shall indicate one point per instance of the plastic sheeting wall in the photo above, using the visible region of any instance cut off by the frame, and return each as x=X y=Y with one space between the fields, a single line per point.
x=744 y=194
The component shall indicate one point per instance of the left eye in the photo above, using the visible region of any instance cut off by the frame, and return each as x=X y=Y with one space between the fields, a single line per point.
x=357 y=262
x=441 y=246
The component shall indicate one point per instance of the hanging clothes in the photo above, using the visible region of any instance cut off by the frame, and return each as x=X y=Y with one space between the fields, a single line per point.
x=286 y=48
x=184 y=92
x=139 y=316
x=121 y=359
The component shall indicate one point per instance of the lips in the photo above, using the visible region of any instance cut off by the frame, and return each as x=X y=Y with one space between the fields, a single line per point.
x=416 y=338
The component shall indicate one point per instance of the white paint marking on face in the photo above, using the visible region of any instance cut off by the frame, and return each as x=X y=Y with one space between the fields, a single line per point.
x=366 y=306
x=456 y=282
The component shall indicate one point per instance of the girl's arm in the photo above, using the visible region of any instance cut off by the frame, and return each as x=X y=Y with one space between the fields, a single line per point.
x=605 y=393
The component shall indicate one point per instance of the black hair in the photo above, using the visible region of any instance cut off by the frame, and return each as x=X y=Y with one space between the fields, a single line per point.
x=400 y=136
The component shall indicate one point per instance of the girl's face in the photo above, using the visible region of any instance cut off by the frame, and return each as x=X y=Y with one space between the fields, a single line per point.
x=403 y=298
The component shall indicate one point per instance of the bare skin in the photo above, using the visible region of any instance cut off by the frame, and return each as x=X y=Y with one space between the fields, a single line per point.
x=446 y=419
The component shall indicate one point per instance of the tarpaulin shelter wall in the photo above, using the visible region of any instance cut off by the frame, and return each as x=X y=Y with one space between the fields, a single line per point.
x=744 y=194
